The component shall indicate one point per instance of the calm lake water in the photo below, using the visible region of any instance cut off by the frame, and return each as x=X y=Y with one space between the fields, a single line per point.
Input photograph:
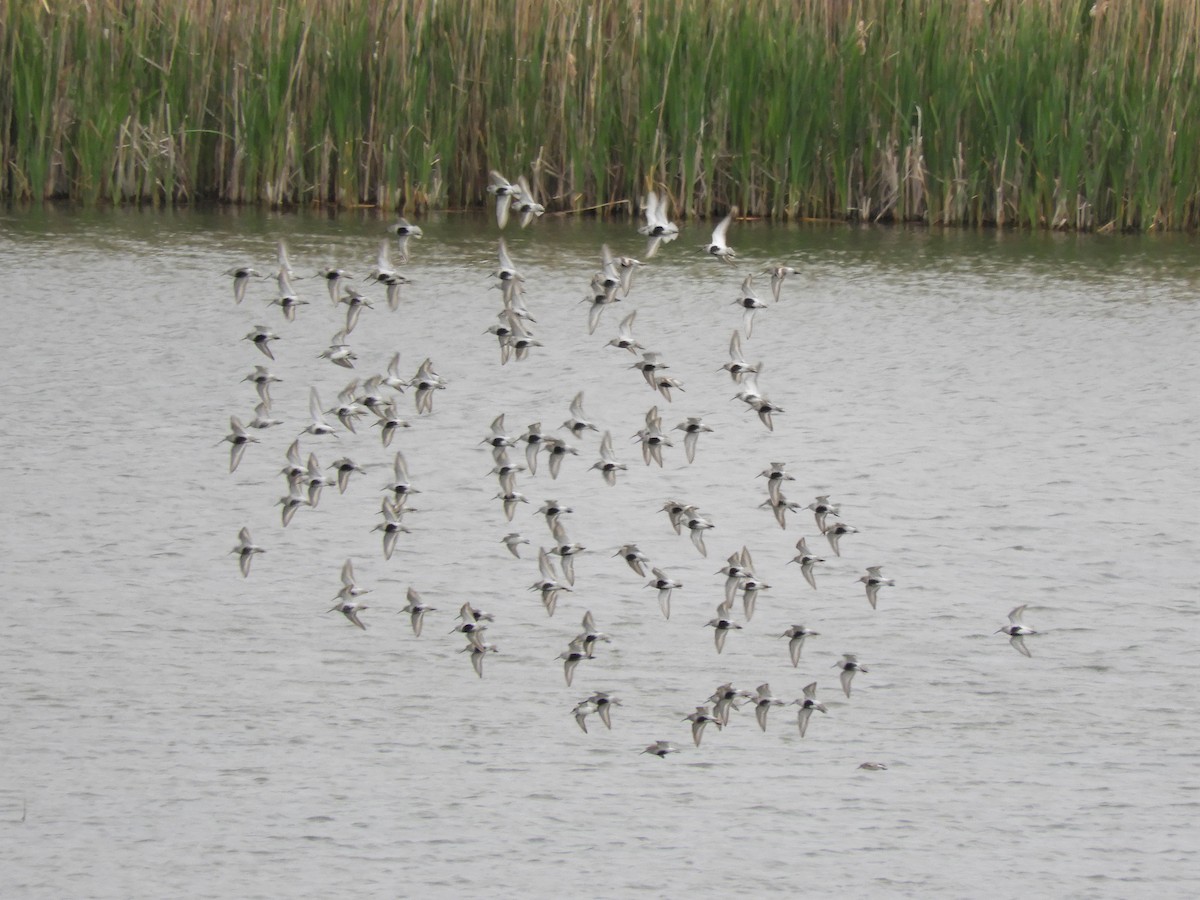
x=1006 y=418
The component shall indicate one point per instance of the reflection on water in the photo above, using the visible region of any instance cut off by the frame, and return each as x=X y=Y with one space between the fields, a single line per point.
x=1006 y=418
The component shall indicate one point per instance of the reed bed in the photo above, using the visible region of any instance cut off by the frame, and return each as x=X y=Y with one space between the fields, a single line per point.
x=1036 y=113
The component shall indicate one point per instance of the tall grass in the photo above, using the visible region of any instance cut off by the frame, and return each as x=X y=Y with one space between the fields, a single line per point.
x=1079 y=114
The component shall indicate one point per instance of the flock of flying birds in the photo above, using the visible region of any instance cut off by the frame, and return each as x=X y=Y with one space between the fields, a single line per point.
x=376 y=400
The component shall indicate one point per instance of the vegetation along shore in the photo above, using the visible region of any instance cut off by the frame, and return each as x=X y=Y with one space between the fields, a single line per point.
x=1077 y=114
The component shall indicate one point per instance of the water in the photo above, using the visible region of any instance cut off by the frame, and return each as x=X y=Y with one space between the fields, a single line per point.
x=1006 y=418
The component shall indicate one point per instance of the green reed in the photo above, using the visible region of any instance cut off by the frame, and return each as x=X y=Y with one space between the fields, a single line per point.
x=1076 y=114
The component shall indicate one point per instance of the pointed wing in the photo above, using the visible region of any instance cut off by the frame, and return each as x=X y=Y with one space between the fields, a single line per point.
x=401 y=467
x=546 y=566
x=718 y=235
x=506 y=262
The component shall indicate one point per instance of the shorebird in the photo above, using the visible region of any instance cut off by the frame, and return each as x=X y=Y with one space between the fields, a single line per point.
x=763 y=701
x=478 y=651
x=505 y=471
x=339 y=352
x=512 y=540
x=369 y=397
x=241 y=275
x=287 y=300
x=392 y=526
x=506 y=271
x=345 y=468
x=292 y=502
x=821 y=509
x=552 y=510
x=722 y=625
x=765 y=409
x=262 y=417
x=603 y=702
x=635 y=557
x=726 y=697
x=261 y=338
x=314 y=480
x=350 y=589
x=549 y=585
x=383 y=272
x=697 y=525
x=425 y=382
x=572 y=657
x=778 y=275
x=262 y=379
x=499 y=437
x=652 y=438
x=608 y=464
x=401 y=485
x=627 y=267
x=526 y=206
x=403 y=230
x=700 y=719
x=797 y=633
x=590 y=636
x=835 y=532
x=874 y=581
x=510 y=499
x=717 y=246
x=471 y=627
x=624 y=339
x=807 y=561
x=751 y=587
x=350 y=609
x=661 y=749
x=558 y=449
x=737 y=367
x=469 y=613
x=582 y=710
x=246 y=550
x=566 y=550
x=416 y=610
x=849 y=665
x=1016 y=631
x=318 y=426
x=781 y=506
x=505 y=193
x=518 y=342
x=776 y=474
x=750 y=303
x=738 y=567
x=333 y=280
x=389 y=421
x=658 y=228
x=692 y=428
x=664 y=584
x=347 y=408
x=238 y=438
x=599 y=299
x=650 y=367
x=667 y=383
x=392 y=377
x=807 y=705
x=354 y=302
x=579 y=422
x=674 y=510
x=608 y=280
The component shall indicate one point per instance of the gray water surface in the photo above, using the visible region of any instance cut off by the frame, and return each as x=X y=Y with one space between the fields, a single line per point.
x=1007 y=419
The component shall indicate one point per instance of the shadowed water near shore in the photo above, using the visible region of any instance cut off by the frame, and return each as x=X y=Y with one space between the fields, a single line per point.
x=1006 y=419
